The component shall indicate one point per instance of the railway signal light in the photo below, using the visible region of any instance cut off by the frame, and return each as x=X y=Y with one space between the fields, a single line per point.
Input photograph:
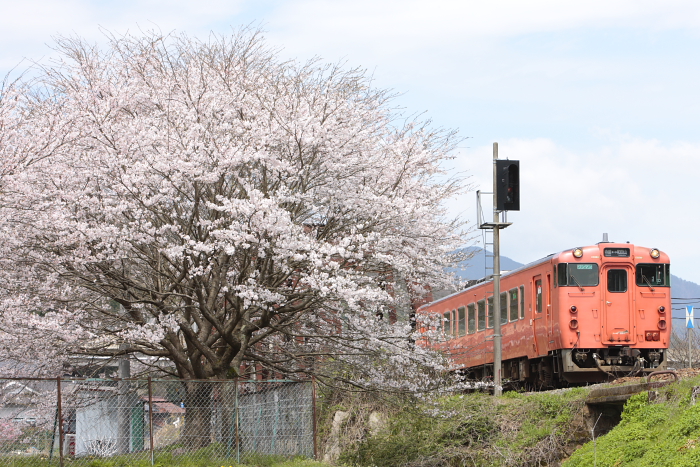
x=507 y=185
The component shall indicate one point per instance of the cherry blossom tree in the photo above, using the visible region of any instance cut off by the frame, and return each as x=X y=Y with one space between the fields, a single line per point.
x=205 y=205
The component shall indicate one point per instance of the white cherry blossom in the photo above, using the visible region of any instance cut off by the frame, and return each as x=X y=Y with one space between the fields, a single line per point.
x=209 y=205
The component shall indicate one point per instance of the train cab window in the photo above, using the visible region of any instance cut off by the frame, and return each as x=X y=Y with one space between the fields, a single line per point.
x=489 y=312
x=554 y=276
x=447 y=324
x=461 y=321
x=581 y=275
x=482 y=315
x=617 y=280
x=522 y=302
x=653 y=275
x=471 y=318
x=538 y=297
x=513 y=294
x=504 y=307
x=562 y=274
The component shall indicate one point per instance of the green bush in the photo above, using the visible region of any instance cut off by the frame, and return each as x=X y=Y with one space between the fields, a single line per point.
x=475 y=430
x=663 y=432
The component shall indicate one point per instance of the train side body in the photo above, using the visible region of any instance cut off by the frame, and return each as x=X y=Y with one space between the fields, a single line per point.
x=567 y=319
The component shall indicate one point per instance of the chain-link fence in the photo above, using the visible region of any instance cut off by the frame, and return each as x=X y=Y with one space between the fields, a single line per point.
x=70 y=421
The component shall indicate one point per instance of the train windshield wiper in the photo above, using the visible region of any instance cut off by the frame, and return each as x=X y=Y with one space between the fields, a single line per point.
x=576 y=282
x=644 y=278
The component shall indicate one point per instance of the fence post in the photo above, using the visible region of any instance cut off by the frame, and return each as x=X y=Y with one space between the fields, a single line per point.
x=313 y=409
x=123 y=403
x=53 y=435
x=229 y=414
x=150 y=418
x=238 y=439
x=60 y=422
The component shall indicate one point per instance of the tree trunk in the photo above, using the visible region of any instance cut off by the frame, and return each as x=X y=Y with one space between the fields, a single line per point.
x=198 y=415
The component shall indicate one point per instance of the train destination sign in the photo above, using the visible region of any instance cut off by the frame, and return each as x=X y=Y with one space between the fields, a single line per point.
x=616 y=252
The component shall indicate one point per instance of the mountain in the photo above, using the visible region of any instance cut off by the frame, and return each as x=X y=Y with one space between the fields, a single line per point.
x=474 y=267
x=684 y=289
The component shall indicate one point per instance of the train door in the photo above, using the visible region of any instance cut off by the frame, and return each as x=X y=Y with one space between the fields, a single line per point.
x=618 y=317
x=539 y=316
x=548 y=307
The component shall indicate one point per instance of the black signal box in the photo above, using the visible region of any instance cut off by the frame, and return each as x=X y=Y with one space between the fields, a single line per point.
x=507 y=185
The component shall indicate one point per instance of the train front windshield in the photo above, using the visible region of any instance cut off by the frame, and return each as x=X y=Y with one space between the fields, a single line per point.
x=653 y=275
x=578 y=274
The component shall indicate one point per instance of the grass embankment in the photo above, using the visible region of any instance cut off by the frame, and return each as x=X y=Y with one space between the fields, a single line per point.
x=662 y=432
x=480 y=430
x=477 y=430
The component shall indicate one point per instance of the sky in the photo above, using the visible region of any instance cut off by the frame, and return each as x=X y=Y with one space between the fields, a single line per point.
x=598 y=100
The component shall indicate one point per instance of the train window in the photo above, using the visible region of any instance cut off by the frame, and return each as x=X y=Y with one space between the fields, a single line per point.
x=522 y=302
x=582 y=275
x=562 y=276
x=461 y=321
x=617 y=280
x=653 y=275
x=482 y=315
x=555 y=276
x=471 y=312
x=489 y=312
x=513 y=304
x=504 y=307
x=538 y=291
x=447 y=324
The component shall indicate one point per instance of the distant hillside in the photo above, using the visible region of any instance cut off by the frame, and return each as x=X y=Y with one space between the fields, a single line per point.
x=683 y=288
x=474 y=267
x=683 y=291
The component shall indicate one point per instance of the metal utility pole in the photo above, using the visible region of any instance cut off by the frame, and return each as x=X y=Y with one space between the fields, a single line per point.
x=690 y=347
x=690 y=325
x=497 y=337
x=506 y=197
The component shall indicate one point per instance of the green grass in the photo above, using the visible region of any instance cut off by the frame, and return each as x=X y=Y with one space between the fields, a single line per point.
x=201 y=458
x=657 y=433
x=476 y=430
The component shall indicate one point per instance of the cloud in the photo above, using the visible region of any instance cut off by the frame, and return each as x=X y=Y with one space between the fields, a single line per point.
x=27 y=27
x=416 y=25
x=548 y=71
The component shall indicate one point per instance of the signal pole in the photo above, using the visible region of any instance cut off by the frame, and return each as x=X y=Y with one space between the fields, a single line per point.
x=497 y=337
x=506 y=197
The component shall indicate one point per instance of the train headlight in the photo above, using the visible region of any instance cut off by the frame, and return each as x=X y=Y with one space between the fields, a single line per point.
x=578 y=252
x=573 y=309
x=662 y=309
x=652 y=335
x=655 y=253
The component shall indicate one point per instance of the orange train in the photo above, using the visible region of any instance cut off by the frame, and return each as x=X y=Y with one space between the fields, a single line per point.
x=579 y=316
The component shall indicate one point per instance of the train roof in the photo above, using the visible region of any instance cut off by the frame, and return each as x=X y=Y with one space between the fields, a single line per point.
x=490 y=279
